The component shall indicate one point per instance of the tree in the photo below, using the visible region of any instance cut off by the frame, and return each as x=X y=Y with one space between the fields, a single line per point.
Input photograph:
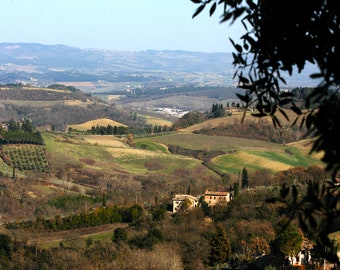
x=217 y=110
x=274 y=45
x=27 y=126
x=104 y=200
x=5 y=246
x=244 y=178
x=119 y=235
x=279 y=38
x=220 y=246
x=288 y=239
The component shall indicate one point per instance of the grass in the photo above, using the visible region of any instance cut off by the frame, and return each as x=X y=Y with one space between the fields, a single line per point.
x=109 y=154
x=253 y=160
x=101 y=233
x=156 y=121
x=210 y=143
x=5 y=169
x=151 y=146
x=107 y=157
x=105 y=140
x=135 y=163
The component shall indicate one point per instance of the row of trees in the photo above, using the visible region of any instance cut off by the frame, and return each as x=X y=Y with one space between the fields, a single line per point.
x=99 y=216
x=18 y=137
x=25 y=125
x=249 y=222
x=123 y=130
x=21 y=132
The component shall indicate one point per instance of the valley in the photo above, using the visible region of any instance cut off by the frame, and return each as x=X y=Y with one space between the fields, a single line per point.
x=114 y=144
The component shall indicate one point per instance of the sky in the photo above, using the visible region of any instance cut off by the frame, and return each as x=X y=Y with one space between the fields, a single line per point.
x=128 y=25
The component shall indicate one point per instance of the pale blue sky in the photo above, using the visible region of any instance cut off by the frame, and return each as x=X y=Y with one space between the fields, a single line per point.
x=130 y=25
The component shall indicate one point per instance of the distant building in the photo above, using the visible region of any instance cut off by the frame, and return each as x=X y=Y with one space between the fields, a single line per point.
x=216 y=197
x=182 y=200
x=4 y=126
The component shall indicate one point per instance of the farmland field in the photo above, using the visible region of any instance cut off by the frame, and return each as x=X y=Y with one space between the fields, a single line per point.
x=98 y=122
x=156 y=121
x=210 y=143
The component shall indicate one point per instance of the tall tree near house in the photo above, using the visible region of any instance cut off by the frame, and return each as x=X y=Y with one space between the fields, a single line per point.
x=27 y=126
x=13 y=126
x=244 y=178
x=273 y=46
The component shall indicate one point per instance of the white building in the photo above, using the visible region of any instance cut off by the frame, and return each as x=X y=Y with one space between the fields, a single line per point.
x=183 y=199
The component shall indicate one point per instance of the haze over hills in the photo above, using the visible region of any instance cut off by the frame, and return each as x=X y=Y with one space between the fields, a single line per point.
x=42 y=65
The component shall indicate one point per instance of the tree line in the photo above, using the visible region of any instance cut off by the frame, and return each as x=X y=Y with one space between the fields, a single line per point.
x=20 y=133
x=99 y=216
x=123 y=130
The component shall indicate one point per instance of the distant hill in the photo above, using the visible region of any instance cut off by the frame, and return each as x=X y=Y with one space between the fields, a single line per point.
x=97 y=122
x=56 y=108
x=44 y=64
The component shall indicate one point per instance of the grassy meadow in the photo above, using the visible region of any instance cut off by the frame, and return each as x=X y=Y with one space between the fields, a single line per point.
x=111 y=155
x=156 y=121
x=150 y=155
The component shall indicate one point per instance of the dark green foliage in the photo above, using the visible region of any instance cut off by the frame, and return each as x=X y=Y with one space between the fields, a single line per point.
x=18 y=137
x=104 y=200
x=220 y=246
x=99 y=216
x=133 y=213
x=244 y=178
x=72 y=203
x=217 y=111
x=153 y=237
x=5 y=246
x=109 y=130
x=158 y=212
x=288 y=239
x=236 y=188
x=13 y=126
x=119 y=236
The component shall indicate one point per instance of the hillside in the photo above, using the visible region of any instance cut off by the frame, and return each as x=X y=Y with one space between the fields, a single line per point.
x=97 y=122
x=69 y=195
x=89 y=164
x=51 y=108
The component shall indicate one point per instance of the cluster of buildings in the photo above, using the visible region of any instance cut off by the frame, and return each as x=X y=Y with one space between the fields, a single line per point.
x=211 y=198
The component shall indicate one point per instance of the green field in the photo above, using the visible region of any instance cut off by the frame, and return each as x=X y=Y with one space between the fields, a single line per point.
x=253 y=160
x=150 y=156
x=253 y=154
x=211 y=143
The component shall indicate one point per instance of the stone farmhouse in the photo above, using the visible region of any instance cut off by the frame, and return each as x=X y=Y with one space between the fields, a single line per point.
x=216 y=197
x=212 y=198
x=184 y=199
